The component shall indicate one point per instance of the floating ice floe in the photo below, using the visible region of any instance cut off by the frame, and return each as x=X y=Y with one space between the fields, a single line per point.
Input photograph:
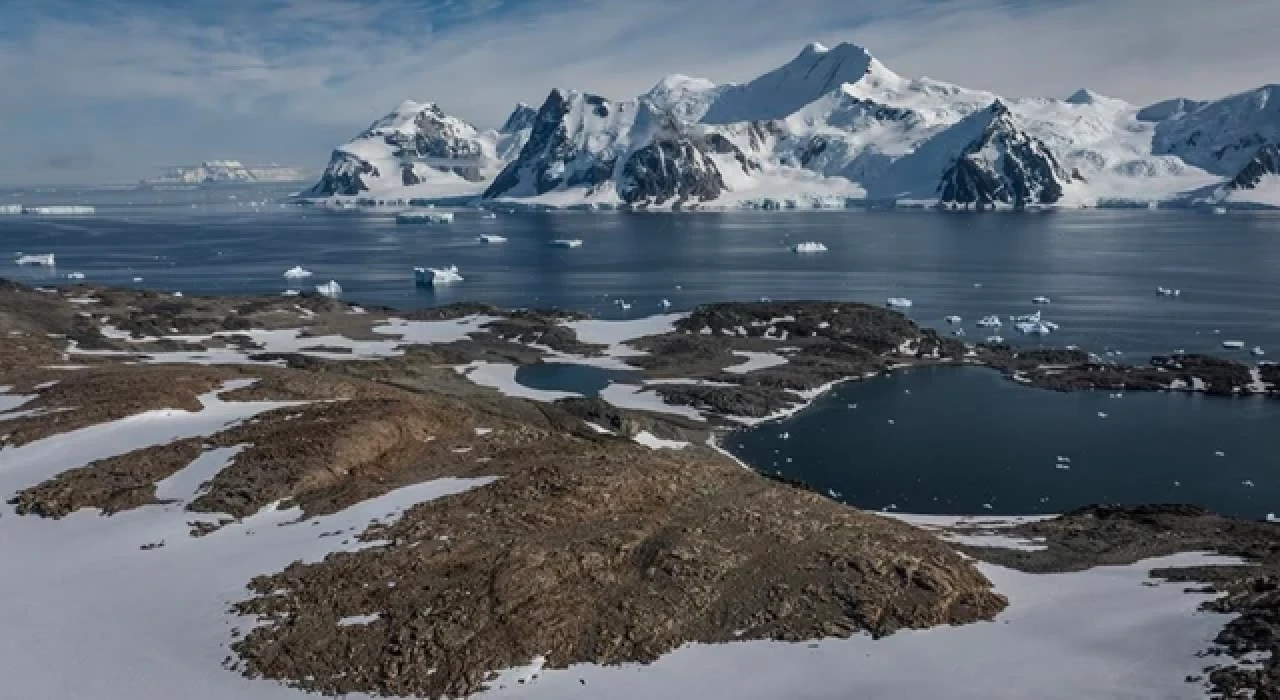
x=1219 y=210
x=1258 y=351
x=290 y=293
x=995 y=340
x=1166 y=292
x=898 y=302
x=567 y=243
x=492 y=238
x=1040 y=300
x=424 y=217
x=75 y=275
x=665 y=303
x=46 y=259
x=58 y=210
x=1033 y=327
x=137 y=279
x=431 y=276
x=296 y=273
x=809 y=247
x=332 y=289
x=952 y=319
x=10 y=208
x=959 y=332
x=990 y=322
x=1233 y=344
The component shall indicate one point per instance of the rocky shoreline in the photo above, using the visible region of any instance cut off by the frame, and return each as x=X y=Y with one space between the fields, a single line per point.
x=582 y=546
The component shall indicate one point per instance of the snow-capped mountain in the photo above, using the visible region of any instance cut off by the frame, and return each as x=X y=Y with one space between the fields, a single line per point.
x=832 y=127
x=419 y=149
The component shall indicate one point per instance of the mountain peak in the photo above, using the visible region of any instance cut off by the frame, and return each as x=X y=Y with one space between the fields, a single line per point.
x=818 y=70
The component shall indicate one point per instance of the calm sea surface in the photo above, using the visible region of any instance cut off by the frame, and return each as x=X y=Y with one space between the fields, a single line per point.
x=961 y=440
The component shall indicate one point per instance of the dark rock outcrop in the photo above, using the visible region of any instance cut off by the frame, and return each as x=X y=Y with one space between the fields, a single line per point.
x=552 y=157
x=344 y=176
x=1005 y=165
x=1265 y=161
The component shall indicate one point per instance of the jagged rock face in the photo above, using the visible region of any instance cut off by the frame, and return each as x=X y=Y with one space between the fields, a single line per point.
x=1006 y=165
x=671 y=167
x=344 y=176
x=564 y=148
x=522 y=117
x=437 y=139
x=1266 y=161
x=1222 y=136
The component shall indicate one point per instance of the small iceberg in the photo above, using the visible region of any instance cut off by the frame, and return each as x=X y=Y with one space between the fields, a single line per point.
x=431 y=277
x=952 y=319
x=995 y=340
x=332 y=289
x=1166 y=292
x=990 y=322
x=75 y=275
x=1219 y=210
x=290 y=293
x=1040 y=300
x=424 y=217
x=45 y=260
x=492 y=238
x=10 y=208
x=1233 y=344
x=1257 y=351
x=567 y=243
x=809 y=247
x=665 y=303
x=296 y=273
x=898 y=303
x=1033 y=328
x=959 y=332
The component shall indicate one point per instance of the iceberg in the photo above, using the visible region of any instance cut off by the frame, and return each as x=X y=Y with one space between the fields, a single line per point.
x=665 y=303
x=75 y=275
x=1033 y=328
x=1233 y=344
x=296 y=273
x=1040 y=300
x=995 y=340
x=567 y=243
x=809 y=247
x=1029 y=318
x=290 y=293
x=46 y=260
x=990 y=322
x=332 y=289
x=10 y=208
x=492 y=238
x=952 y=319
x=1258 y=351
x=959 y=332
x=430 y=276
x=1165 y=292
x=59 y=210
x=898 y=302
x=424 y=217
x=1219 y=210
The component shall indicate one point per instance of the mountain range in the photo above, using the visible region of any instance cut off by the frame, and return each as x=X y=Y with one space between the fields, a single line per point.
x=833 y=127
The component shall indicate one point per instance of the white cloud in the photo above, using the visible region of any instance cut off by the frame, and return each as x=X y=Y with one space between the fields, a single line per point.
x=276 y=80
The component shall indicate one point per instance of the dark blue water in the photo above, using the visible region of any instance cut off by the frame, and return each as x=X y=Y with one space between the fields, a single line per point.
x=581 y=379
x=961 y=440
x=966 y=440
x=1100 y=268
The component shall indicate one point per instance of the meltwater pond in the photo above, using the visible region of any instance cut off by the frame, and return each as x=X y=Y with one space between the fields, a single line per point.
x=964 y=440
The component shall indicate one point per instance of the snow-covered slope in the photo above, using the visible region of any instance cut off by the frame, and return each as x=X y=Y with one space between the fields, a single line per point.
x=832 y=126
x=1222 y=136
x=417 y=149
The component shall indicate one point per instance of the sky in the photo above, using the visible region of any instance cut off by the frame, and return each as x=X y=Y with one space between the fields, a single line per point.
x=114 y=90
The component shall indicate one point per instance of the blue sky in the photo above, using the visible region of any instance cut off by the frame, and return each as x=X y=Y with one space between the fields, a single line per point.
x=111 y=90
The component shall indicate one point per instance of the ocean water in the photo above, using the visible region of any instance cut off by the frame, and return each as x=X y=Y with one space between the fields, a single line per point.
x=986 y=443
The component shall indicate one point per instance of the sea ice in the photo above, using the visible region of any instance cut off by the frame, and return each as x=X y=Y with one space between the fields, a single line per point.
x=492 y=238
x=990 y=322
x=1233 y=344
x=75 y=275
x=953 y=319
x=567 y=243
x=431 y=276
x=332 y=289
x=898 y=302
x=46 y=259
x=1040 y=300
x=424 y=217
x=809 y=247
x=296 y=273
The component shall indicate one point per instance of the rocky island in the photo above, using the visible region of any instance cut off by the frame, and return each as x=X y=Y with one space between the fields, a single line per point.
x=457 y=525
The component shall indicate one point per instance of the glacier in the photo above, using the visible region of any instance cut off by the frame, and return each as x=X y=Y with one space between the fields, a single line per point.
x=832 y=128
